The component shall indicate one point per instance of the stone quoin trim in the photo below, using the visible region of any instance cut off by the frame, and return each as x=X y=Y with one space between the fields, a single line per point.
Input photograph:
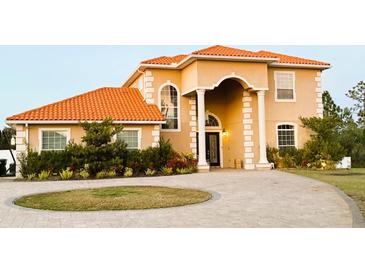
x=192 y=123
x=148 y=87
x=248 y=131
x=155 y=135
x=319 y=92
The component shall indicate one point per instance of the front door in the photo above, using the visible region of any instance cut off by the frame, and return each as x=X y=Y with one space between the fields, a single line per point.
x=212 y=148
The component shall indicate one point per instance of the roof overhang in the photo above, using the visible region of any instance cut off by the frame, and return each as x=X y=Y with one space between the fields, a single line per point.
x=307 y=66
x=63 y=122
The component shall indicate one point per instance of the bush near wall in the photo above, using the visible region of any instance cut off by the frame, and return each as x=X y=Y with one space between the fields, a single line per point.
x=98 y=154
x=322 y=151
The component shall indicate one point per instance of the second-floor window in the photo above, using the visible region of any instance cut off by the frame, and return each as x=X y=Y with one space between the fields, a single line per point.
x=169 y=107
x=284 y=86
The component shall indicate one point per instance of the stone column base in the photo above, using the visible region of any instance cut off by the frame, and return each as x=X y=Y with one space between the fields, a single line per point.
x=266 y=166
x=203 y=168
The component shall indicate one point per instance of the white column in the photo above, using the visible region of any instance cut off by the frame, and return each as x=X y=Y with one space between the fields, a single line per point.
x=202 y=162
x=263 y=163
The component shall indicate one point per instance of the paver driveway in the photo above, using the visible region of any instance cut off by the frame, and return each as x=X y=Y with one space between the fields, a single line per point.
x=241 y=199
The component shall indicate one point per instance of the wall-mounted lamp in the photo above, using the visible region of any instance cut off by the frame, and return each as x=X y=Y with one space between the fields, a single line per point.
x=225 y=133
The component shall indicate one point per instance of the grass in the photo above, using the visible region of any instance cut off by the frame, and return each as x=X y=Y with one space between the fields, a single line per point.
x=352 y=182
x=114 y=198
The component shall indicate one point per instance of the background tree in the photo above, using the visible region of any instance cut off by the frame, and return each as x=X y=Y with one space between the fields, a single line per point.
x=357 y=93
x=6 y=135
x=330 y=109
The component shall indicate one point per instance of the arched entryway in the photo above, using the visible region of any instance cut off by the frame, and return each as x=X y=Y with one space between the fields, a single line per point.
x=225 y=102
x=234 y=101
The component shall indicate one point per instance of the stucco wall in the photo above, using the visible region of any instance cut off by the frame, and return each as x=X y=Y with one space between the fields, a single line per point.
x=211 y=72
x=305 y=105
x=76 y=133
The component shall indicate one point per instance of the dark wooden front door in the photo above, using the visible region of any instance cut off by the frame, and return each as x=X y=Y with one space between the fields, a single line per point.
x=212 y=148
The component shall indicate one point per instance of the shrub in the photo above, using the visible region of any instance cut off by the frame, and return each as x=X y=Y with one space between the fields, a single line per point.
x=84 y=174
x=30 y=177
x=101 y=175
x=286 y=158
x=150 y=172
x=181 y=161
x=111 y=174
x=185 y=170
x=66 y=174
x=44 y=175
x=128 y=172
x=134 y=160
x=167 y=171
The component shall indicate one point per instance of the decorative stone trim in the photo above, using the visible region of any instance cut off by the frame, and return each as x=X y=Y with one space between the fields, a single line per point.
x=248 y=131
x=155 y=135
x=21 y=146
x=192 y=124
x=319 y=102
x=148 y=87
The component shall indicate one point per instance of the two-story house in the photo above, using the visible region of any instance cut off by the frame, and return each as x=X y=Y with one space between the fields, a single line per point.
x=222 y=104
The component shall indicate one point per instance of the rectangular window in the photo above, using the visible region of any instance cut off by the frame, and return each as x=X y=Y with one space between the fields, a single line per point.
x=130 y=137
x=284 y=85
x=54 y=139
x=286 y=136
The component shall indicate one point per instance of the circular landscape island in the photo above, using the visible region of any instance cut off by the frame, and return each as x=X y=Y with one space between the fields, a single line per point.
x=114 y=198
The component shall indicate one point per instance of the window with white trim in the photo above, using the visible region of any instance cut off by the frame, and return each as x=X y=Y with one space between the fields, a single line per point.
x=286 y=136
x=284 y=84
x=169 y=107
x=130 y=137
x=211 y=121
x=54 y=139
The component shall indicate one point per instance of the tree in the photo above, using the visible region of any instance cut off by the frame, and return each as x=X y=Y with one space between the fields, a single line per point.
x=6 y=135
x=324 y=146
x=330 y=109
x=357 y=93
x=100 y=134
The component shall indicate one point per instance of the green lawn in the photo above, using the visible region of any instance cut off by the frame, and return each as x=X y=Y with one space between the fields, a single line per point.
x=352 y=182
x=114 y=198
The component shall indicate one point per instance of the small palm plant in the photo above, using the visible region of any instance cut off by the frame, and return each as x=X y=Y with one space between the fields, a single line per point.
x=44 y=175
x=66 y=174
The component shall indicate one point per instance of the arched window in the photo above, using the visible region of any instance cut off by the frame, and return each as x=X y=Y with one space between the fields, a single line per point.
x=211 y=121
x=169 y=107
x=286 y=136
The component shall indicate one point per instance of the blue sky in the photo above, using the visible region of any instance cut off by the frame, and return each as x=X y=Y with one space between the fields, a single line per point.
x=31 y=76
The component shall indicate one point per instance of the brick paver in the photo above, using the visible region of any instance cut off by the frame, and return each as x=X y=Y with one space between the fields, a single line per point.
x=241 y=199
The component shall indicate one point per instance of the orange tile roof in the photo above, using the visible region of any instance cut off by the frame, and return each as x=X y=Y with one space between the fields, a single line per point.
x=283 y=58
x=165 y=60
x=227 y=51
x=233 y=52
x=122 y=104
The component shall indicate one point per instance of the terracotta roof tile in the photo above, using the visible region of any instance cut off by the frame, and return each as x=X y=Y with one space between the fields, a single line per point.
x=227 y=51
x=283 y=58
x=122 y=104
x=233 y=52
x=165 y=60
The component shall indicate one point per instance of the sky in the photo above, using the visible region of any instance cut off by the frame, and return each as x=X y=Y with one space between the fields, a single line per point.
x=32 y=76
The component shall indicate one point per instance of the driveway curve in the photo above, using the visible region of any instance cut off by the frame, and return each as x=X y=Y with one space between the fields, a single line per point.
x=241 y=199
